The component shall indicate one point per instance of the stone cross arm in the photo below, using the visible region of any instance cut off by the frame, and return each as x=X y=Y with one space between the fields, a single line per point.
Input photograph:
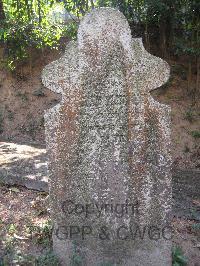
x=104 y=35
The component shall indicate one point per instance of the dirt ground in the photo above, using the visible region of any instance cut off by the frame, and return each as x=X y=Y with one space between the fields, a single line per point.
x=25 y=227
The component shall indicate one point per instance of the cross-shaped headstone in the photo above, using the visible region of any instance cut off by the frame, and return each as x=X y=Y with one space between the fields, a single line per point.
x=108 y=143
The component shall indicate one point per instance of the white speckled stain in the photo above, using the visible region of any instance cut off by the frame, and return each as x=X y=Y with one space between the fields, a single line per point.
x=108 y=139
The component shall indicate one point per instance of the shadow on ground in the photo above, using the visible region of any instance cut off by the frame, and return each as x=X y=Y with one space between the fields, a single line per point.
x=26 y=165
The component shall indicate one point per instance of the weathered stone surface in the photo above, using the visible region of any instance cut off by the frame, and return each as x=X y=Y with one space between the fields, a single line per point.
x=108 y=143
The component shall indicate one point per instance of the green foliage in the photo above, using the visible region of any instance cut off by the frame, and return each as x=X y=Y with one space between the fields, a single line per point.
x=195 y=134
x=41 y=234
x=76 y=259
x=11 y=229
x=178 y=258
x=189 y=115
x=19 y=37
x=195 y=214
x=48 y=259
x=27 y=24
x=196 y=226
x=41 y=23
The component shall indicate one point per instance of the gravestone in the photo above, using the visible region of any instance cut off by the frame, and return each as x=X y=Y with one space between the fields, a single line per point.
x=108 y=144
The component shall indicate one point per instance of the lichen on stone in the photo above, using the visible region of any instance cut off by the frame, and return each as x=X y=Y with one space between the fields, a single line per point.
x=108 y=140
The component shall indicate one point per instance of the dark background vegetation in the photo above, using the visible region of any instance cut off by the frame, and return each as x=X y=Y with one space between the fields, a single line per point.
x=170 y=28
